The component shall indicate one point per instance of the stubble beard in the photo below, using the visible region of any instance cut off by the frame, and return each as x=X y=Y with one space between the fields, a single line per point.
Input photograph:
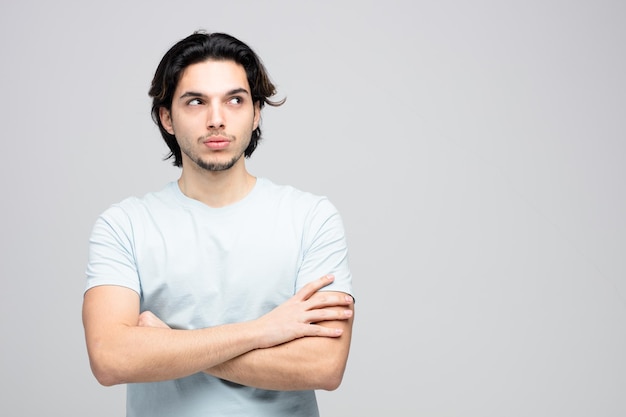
x=217 y=166
x=213 y=166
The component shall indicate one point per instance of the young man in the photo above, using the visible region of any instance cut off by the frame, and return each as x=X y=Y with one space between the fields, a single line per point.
x=222 y=294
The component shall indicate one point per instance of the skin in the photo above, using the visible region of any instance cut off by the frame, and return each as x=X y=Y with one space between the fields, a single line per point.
x=301 y=344
x=213 y=102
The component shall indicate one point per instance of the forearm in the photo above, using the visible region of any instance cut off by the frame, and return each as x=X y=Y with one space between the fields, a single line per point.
x=302 y=364
x=125 y=346
x=144 y=354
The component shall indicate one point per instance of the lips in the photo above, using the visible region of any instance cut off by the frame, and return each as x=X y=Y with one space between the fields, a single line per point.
x=216 y=142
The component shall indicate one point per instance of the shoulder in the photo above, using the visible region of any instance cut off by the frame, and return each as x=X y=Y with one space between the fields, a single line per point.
x=303 y=207
x=291 y=195
x=134 y=208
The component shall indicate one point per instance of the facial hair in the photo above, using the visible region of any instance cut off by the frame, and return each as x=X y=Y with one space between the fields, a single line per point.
x=211 y=165
x=217 y=166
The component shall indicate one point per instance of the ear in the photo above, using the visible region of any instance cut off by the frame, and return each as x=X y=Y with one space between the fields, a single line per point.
x=257 y=115
x=166 y=119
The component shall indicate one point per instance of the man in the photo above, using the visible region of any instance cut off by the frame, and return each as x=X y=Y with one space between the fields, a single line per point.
x=223 y=294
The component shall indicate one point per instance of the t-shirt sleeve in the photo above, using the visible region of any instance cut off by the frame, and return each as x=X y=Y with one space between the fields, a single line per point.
x=111 y=259
x=325 y=249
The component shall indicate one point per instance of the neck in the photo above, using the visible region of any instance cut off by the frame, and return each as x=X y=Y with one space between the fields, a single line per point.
x=216 y=188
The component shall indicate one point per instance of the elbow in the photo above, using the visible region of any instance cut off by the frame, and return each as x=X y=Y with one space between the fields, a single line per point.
x=107 y=379
x=107 y=371
x=331 y=384
x=331 y=379
x=105 y=376
x=331 y=368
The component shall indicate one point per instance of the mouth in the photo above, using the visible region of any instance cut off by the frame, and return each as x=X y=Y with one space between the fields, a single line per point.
x=216 y=142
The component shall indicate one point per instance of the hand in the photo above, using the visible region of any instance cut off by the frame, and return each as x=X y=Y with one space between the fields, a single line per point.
x=148 y=319
x=296 y=317
x=293 y=319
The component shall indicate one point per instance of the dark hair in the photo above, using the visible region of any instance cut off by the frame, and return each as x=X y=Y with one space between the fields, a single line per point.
x=199 y=47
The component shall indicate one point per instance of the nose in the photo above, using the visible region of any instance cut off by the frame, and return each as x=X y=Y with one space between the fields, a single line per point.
x=215 y=117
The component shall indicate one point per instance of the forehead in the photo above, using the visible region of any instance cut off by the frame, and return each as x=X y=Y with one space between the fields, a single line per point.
x=213 y=76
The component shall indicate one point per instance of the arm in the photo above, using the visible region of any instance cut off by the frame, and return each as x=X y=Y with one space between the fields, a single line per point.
x=302 y=364
x=121 y=350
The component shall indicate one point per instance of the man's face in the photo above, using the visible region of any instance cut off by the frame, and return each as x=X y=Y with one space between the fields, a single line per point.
x=212 y=115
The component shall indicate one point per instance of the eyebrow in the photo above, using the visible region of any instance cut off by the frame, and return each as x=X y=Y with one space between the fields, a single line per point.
x=228 y=93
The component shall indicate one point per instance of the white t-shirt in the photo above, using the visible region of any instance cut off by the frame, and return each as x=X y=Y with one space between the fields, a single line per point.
x=195 y=266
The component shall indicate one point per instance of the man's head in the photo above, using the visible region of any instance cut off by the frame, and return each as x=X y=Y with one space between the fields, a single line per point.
x=197 y=48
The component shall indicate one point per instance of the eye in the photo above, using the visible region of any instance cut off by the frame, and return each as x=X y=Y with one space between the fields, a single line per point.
x=235 y=100
x=194 y=102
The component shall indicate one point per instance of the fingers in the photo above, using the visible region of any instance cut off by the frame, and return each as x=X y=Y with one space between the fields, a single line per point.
x=310 y=312
x=324 y=299
x=149 y=319
x=312 y=287
x=321 y=331
x=328 y=314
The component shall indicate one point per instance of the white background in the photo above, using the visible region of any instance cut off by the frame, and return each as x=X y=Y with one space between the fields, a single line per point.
x=476 y=150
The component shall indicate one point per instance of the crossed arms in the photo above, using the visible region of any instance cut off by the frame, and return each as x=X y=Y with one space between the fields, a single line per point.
x=301 y=344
